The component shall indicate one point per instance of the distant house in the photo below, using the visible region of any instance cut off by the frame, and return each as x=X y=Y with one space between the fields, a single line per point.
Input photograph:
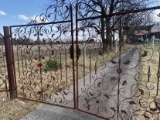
x=143 y=30
x=147 y=32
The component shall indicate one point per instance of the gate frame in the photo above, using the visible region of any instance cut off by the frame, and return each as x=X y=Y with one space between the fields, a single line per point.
x=119 y=55
x=10 y=55
x=10 y=63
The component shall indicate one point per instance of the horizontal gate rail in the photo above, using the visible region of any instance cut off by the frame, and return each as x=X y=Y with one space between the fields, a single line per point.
x=38 y=24
x=120 y=13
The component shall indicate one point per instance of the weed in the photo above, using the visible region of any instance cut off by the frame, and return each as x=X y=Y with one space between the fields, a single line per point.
x=51 y=65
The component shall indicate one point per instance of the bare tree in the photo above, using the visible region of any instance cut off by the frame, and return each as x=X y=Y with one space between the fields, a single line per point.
x=107 y=24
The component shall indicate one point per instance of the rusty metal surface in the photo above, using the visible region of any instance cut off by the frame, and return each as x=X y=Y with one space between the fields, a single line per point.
x=115 y=90
x=10 y=63
x=52 y=68
x=43 y=67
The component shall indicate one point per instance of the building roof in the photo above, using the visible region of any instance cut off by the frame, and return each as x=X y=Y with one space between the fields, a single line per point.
x=147 y=28
x=155 y=33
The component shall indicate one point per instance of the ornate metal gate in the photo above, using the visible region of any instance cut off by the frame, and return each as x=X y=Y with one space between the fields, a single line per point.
x=114 y=84
x=44 y=69
x=68 y=65
x=120 y=89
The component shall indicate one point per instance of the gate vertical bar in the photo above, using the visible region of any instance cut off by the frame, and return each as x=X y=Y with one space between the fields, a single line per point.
x=10 y=62
x=119 y=70
x=77 y=87
x=74 y=80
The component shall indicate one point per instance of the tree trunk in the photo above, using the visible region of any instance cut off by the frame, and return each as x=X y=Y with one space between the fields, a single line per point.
x=108 y=33
x=113 y=40
x=104 y=42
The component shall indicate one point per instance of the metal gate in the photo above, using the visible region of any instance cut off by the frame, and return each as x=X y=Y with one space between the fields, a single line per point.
x=114 y=84
x=43 y=67
x=66 y=63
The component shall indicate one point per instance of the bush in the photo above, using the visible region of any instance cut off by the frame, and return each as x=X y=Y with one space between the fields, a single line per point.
x=52 y=65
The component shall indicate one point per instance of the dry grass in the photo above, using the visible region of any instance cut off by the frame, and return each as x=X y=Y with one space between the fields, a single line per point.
x=149 y=83
x=152 y=61
x=15 y=109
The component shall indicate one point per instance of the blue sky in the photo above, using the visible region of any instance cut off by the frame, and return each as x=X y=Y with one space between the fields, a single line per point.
x=13 y=12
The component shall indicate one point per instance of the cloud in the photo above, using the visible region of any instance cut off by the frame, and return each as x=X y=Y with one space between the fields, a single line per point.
x=2 y=13
x=23 y=17
x=54 y=29
x=154 y=16
x=34 y=17
x=13 y=16
x=38 y=19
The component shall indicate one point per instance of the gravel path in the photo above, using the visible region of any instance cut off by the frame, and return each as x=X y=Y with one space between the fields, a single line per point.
x=100 y=92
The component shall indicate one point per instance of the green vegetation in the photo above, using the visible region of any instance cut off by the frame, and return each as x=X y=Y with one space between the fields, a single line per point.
x=51 y=65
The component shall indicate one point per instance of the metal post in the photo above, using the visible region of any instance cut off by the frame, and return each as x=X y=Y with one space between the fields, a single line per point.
x=146 y=40
x=10 y=63
x=153 y=38
x=84 y=54
x=116 y=46
x=73 y=62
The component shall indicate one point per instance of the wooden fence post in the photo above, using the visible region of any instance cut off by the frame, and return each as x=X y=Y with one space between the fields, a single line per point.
x=10 y=62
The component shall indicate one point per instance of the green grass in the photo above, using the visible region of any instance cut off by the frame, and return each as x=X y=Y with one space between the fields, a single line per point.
x=51 y=64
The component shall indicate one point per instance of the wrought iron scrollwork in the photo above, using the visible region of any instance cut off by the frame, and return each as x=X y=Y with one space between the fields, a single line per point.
x=42 y=61
x=157 y=99
x=110 y=83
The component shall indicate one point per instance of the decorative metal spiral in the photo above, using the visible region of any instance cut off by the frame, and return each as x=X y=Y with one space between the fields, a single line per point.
x=41 y=53
x=109 y=83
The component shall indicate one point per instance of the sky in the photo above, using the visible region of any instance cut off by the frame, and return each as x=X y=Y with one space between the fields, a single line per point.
x=15 y=12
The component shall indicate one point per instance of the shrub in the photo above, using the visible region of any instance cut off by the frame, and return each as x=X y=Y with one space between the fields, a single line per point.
x=52 y=65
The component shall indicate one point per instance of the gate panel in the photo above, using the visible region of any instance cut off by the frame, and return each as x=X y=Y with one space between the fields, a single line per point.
x=115 y=80
x=44 y=68
x=4 y=86
x=97 y=79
